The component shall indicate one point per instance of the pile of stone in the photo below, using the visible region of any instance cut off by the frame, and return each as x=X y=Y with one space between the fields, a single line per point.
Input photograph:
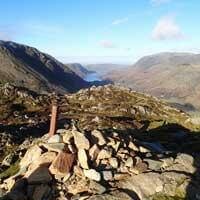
x=73 y=162
x=77 y=165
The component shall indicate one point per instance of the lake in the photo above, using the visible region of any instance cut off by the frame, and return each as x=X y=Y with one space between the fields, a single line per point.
x=92 y=77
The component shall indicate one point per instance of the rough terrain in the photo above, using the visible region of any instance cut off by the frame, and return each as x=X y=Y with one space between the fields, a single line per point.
x=111 y=143
x=172 y=76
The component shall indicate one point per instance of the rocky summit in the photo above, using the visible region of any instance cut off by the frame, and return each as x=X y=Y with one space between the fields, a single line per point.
x=111 y=143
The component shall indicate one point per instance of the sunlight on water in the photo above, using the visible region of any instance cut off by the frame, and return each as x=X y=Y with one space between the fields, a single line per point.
x=92 y=77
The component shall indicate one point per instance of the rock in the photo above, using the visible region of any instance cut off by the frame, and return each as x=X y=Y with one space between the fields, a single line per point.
x=144 y=185
x=107 y=175
x=132 y=146
x=93 y=152
x=114 y=144
x=187 y=161
x=114 y=162
x=154 y=164
x=56 y=147
x=61 y=131
x=62 y=164
x=114 y=195
x=31 y=156
x=129 y=162
x=16 y=195
x=55 y=139
x=82 y=158
x=45 y=160
x=39 y=175
x=105 y=154
x=96 y=188
x=120 y=176
x=167 y=162
x=92 y=174
x=79 y=186
x=143 y=149
x=139 y=168
x=97 y=134
x=40 y=192
x=67 y=137
x=80 y=140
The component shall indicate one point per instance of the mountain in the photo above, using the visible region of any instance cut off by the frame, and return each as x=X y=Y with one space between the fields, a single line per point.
x=173 y=76
x=79 y=69
x=27 y=66
x=104 y=68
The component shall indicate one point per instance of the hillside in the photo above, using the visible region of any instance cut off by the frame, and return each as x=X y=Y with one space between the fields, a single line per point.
x=28 y=67
x=172 y=76
x=79 y=69
x=111 y=143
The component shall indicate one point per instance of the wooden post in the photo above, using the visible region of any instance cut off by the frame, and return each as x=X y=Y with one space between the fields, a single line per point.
x=53 y=123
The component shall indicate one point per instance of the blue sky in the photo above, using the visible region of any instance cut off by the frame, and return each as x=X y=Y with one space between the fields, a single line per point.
x=100 y=31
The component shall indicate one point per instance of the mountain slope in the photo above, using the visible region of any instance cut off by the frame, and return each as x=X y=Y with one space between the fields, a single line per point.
x=79 y=69
x=26 y=66
x=173 y=76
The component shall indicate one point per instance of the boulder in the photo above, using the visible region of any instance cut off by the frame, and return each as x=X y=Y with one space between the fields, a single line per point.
x=92 y=174
x=40 y=192
x=56 y=147
x=130 y=162
x=80 y=140
x=98 y=135
x=83 y=159
x=93 y=152
x=32 y=155
x=153 y=164
x=96 y=188
x=107 y=175
x=39 y=175
x=55 y=139
x=114 y=162
x=45 y=160
x=105 y=154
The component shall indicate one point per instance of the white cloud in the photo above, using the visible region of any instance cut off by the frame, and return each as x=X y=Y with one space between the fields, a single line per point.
x=120 y=21
x=158 y=2
x=107 y=44
x=167 y=29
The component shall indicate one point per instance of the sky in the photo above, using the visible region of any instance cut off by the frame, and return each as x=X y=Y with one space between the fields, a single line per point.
x=102 y=31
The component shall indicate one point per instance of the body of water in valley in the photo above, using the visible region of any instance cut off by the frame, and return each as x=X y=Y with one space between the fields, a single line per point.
x=92 y=77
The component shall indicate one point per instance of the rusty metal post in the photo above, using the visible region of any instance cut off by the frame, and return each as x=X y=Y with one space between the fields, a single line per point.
x=54 y=114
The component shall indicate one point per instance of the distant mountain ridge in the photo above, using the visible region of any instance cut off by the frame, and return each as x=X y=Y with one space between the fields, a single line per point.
x=28 y=67
x=173 y=76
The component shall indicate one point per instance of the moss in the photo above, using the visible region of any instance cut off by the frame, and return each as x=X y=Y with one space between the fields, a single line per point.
x=12 y=170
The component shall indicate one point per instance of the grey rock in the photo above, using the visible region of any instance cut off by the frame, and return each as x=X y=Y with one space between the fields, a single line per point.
x=107 y=175
x=92 y=174
x=154 y=164
x=55 y=139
